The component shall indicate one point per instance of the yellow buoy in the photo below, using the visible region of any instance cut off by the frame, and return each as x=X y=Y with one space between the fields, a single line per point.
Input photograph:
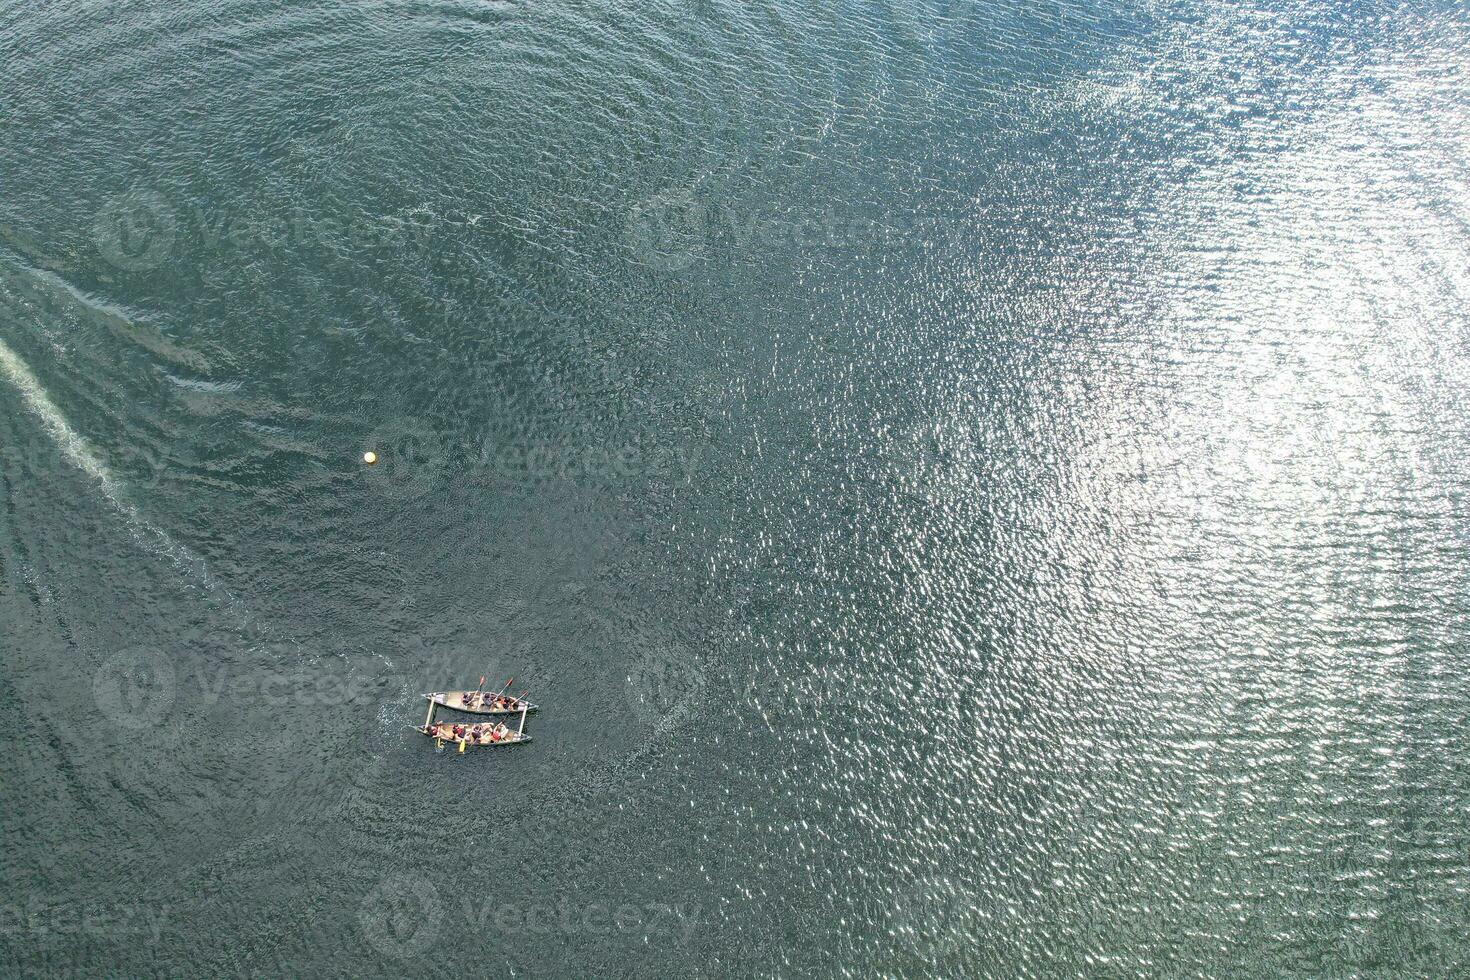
x=370 y=457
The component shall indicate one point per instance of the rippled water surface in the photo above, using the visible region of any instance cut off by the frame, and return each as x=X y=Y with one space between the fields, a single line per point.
x=977 y=489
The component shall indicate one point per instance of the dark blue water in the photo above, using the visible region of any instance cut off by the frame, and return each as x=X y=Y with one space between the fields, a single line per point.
x=977 y=489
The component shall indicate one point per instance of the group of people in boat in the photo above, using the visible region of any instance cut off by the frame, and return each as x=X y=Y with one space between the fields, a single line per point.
x=484 y=734
x=497 y=702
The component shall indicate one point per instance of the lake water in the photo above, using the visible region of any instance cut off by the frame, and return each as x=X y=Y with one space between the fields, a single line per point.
x=976 y=489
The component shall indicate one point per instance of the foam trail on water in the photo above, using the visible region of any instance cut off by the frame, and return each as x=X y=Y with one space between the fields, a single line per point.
x=73 y=447
x=76 y=451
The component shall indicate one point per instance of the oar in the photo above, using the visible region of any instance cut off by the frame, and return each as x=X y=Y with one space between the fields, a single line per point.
x=482 y=685
x=502 y=690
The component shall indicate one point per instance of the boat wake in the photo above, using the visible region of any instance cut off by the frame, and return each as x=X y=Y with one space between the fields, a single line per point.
x=76 y=451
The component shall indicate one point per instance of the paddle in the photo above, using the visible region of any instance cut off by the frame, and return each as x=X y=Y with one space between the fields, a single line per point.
x=479 y=700
x=502 y=690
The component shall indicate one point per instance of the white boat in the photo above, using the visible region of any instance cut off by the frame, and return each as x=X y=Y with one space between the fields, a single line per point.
x=481 y=703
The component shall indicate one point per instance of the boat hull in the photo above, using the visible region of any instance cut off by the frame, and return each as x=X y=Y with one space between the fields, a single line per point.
x=444 y=733
x=455 y=700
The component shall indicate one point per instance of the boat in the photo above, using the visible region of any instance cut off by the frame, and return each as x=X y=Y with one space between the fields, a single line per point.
x=481 y=703
x=479 y=734
x=483 y=734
